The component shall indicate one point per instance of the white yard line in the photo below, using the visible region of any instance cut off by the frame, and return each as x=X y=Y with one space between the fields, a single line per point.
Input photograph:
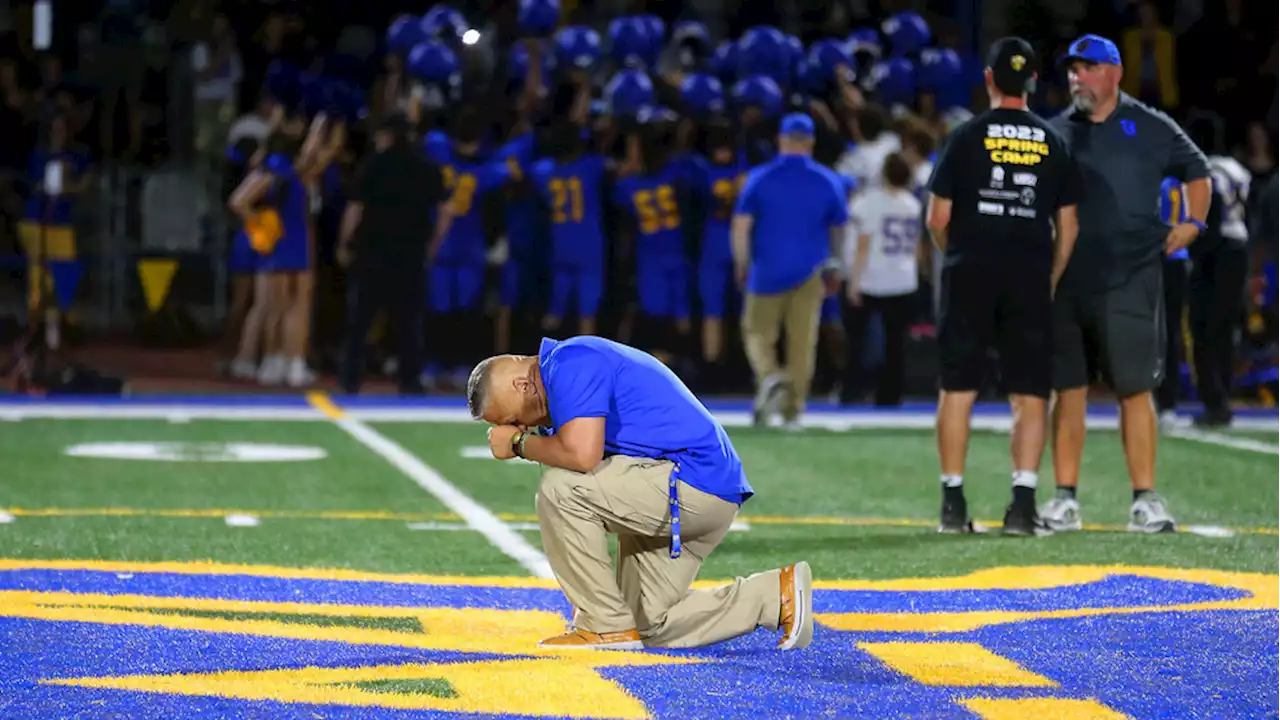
x=239 y=520
x=91 y=411
x=1223 y=440
x=818 y=420
x=476 y=516
x=450 y=526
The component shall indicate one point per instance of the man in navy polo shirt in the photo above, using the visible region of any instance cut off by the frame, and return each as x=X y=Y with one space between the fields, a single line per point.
x=627 y=449
x=787 y=227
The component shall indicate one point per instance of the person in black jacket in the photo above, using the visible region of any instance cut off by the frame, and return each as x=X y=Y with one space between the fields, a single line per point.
x=1219 y=269
x=398 y=205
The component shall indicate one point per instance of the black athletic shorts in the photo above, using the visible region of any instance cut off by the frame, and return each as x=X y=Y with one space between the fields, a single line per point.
x=1116 y=334
x=1005 y=308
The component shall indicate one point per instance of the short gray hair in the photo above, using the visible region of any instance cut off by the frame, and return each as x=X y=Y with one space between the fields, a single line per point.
x=478 y=388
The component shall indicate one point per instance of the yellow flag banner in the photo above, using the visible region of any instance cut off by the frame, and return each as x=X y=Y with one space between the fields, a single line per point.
x=156 y=276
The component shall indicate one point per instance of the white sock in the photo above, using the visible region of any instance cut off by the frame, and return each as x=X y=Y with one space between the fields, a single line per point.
x=1025 y=478
x=953 y=481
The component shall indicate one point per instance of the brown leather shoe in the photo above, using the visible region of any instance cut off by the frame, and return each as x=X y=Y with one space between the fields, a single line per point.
x=795 y=619
x=586 y=640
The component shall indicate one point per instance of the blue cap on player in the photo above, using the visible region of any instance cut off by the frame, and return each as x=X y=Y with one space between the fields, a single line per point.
x=797 y=124
x=1094 y=49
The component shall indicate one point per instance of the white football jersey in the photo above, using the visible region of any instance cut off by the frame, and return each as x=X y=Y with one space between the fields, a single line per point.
x=920 y=178
x=865 y=163
x=891 y=220
x=1231 y=183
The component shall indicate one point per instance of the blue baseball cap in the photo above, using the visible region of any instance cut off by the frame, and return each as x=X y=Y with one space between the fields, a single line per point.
x=1094 y=49
x=797 y=124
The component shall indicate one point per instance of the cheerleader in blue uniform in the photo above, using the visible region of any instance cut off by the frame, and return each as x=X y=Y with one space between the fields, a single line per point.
x=274 y=204
x=242 y=264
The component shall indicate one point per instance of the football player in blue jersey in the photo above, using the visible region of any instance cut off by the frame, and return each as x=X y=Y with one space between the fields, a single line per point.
x=656 y=203
x=572 y=184
x=715 y=181
x=524 y=229
x=456 y=279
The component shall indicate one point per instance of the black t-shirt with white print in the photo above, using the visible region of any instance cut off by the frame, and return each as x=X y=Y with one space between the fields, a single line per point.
x=1006 y=172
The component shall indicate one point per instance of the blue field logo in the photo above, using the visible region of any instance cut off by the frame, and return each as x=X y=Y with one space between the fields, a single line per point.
x=104 y=639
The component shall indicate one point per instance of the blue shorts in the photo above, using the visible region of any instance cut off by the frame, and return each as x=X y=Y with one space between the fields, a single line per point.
x=243 y=259
x=662 y=284
x=831 y=309
x=715 y=286
x=451 y=288
x=518 y=284
x=585 y=284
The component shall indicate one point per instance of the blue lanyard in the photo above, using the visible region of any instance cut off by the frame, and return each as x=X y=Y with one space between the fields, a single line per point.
x=673 y=499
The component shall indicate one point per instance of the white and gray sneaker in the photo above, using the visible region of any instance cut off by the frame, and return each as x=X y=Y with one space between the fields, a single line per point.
x=1148 y=515
x=1062 y=514
x=768 y=398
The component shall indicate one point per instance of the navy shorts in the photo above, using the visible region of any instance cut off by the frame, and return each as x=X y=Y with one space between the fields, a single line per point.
x=716 y=287
x=584 y=284
x=662 y=284
x=452 y=288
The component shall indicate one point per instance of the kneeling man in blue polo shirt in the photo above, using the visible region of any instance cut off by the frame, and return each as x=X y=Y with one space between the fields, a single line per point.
x=627 y=449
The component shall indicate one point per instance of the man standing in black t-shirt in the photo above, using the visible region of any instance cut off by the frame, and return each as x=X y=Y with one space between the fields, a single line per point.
x=1004 y=183
x=398 y=206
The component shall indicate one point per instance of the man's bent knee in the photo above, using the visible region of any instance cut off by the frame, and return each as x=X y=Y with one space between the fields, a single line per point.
x=556 y=486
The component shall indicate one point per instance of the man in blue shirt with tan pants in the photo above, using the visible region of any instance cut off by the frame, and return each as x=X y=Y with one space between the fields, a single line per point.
x=787 y=227
x=627 y=449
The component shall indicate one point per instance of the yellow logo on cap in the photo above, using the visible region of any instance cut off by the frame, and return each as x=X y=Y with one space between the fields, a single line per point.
x=1017 y=62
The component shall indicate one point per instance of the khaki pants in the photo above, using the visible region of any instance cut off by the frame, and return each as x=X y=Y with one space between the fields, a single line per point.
x=764 y=316
x=649 y=591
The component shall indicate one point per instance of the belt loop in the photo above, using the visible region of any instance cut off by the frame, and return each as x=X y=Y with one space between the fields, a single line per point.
x=673 y=497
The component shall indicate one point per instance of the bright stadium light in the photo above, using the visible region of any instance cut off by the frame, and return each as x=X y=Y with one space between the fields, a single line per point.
x=471 y=37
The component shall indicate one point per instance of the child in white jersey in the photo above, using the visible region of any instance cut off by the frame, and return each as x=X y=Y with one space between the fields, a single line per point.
x=882 y=249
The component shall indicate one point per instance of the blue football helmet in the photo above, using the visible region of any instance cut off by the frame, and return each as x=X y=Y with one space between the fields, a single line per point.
x=758 y=91
x=629 y=42
x=538 y=18
x=577 y=47
x=444 y=23
x=627 y=91
x=703 y=95
x=908 y=33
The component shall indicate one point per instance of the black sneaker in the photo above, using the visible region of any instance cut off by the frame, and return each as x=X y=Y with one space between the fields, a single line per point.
x=1022 y=520
x=955 y=516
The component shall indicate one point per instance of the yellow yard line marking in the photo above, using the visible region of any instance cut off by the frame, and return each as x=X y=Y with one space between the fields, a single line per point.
x=954 y=664
x=508 y=517
x=327 y=407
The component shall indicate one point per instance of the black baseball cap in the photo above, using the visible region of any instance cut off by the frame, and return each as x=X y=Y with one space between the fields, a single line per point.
x=1012 y=63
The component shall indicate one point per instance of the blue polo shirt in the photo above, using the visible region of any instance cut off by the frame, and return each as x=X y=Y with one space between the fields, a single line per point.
x=794 y=202
x=648 y=411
